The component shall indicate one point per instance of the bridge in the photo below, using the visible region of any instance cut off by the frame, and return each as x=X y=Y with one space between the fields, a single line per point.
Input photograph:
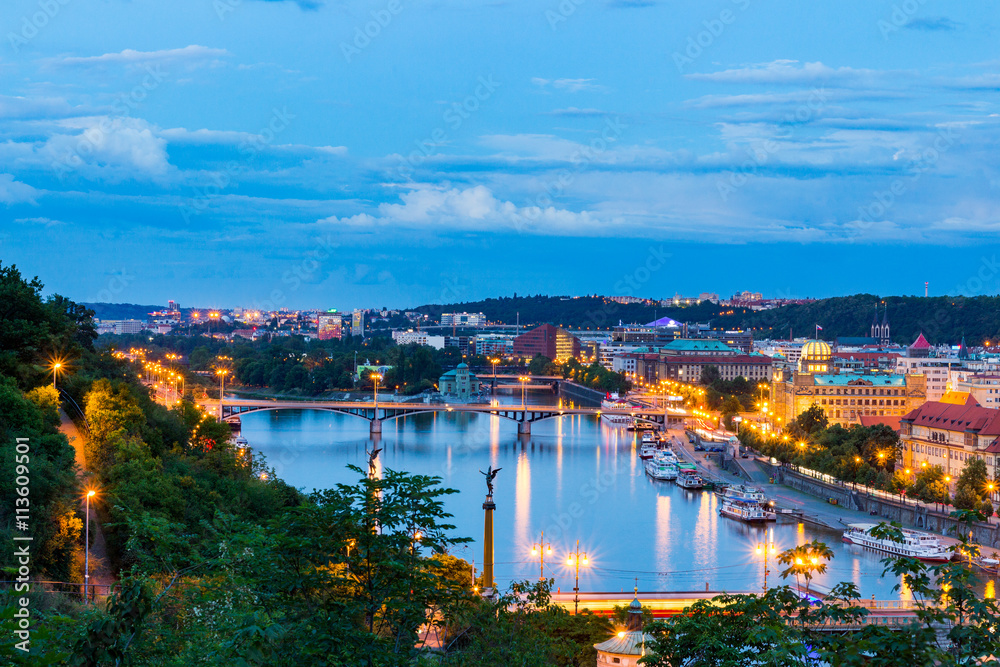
x=379 y=412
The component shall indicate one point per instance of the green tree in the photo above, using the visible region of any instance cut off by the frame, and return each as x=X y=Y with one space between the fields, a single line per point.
x=538 y=364
x=710 y=375
x=970 y=489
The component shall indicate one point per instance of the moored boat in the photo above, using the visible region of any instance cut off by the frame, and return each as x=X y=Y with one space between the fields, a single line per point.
x=647 y=451
x=915 y=544
x=612 y=402
x=661 y=470
x=689 y=479
x=748 y=511
x=745 y=492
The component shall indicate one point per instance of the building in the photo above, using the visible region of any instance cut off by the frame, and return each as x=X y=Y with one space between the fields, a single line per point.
x=865 y=361
x=935 y=369
x=920 y=348
x=685 y=359
x=460 y=383
x=738 y=340
x=495 y=345
x=949 y=434
x=984 y=387
x=329 y=325
x=463 y=319
x=843 y=396
x=548 y=341
x=418 y=338
x=358 y=323
x=120 y=326
x=627 y=646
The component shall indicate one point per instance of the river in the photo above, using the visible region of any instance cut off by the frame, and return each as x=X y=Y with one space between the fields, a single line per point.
x=575 y=478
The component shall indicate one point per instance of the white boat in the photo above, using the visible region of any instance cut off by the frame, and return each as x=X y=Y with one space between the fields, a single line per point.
x=689 y=480
x=744 y=492
x=658 y=470
x=749 y=511
x=665 y=456
x=915 y=544
x=612 y=402
x=647 y=451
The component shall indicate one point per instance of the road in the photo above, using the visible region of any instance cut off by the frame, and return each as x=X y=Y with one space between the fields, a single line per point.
x=100 y=572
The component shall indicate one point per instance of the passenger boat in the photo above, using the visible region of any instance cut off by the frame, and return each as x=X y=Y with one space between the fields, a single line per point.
x=689 y=480
x=661 y=470
x=666 y=456
x=647 y=451
x=915 y=544
x=748 y=511
x=612 y=402
x=745 y=492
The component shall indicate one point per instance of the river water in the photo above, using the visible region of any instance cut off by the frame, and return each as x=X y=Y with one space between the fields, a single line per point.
x=575 y=478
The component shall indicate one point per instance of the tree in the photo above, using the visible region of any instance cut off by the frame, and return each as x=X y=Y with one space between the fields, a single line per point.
x=710 y=375
x=538 y=364
x=810 y=421
x=970 y=489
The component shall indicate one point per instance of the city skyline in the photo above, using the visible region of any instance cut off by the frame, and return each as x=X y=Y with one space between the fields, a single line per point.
x=193 y=145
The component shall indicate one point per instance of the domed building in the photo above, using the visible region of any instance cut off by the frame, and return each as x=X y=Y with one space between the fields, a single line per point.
x=628 y=645
x=460 y=383
x=844 y=397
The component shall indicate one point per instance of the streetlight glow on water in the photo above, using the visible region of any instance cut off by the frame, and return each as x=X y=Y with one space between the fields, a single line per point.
x=575 y=478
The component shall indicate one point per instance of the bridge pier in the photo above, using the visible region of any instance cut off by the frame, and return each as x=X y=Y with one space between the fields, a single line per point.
x=376 y=427
x=524 y=428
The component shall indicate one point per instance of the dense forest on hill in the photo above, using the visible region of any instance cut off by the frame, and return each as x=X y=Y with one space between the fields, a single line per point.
x=584 y=312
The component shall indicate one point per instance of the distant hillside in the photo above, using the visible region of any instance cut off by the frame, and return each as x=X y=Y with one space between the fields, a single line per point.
x=941 y=319
x=572 y=312
x=121 y=311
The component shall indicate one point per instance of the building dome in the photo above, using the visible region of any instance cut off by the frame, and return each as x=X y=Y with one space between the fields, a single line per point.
x=817 y=350
x=463 y=365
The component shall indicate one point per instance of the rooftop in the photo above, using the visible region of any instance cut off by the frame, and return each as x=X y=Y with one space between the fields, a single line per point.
x=845 y=379
x=697 y=345
x=969 y=416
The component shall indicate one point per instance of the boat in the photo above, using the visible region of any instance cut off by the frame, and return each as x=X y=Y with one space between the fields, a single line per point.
x=745 y=492
x=748 y=511
x=666 y=456
x=649 y=437
x=613 y=402
x=915 y=544
x=647 y=451
x=661 y=470
x=689 y=479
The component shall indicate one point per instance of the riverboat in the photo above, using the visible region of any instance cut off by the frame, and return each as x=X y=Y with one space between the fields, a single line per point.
x=613 y=402
x=915 y=544
x=647 y=451
x=689 y=479
x=661 y=470
x=748 y=511
x=745 y=492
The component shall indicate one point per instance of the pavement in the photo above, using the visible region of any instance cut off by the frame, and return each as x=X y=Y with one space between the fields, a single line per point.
x=100 y=572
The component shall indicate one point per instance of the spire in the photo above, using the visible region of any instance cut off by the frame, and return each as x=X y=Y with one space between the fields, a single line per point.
x=634 y=623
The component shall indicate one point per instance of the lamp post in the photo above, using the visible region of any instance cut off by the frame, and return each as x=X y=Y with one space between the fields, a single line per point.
x=540 y=550
x=375 y=378
x=523 y=379
x=575 y=560
x=222 y=372
x=55 y=371
x=763 y=548
x=86 y=550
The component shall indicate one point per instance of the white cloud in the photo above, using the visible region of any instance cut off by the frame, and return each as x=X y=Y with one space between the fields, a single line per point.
x=570 y=85
x=471 y=209
x=15 y=192
x=45 y=222
x=189 y=54
x=118 y=148
x=793 y=72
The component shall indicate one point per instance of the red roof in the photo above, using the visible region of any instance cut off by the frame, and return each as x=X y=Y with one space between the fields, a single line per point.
x=950 y=417
x=920 y=343
x=872 y=420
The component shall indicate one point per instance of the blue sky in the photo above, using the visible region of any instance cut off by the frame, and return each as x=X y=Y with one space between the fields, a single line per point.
x=394 y=152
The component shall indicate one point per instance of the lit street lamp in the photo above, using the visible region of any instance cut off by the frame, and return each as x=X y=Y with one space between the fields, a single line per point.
x=376 y=377
x=523 y=379
x=575 y=559
x=222 y=372
x=86 y=550
x=56 y=367
x=763 y=548
x=540 y=550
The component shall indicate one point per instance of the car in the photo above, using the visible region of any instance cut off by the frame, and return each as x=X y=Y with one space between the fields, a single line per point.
x=744 y=455
x=699 y=447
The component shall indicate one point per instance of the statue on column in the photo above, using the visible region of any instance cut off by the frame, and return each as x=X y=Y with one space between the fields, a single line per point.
x=490 y=474
x=372 y=468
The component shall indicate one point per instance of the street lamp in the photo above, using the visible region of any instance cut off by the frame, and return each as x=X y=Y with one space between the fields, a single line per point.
x=540 y=549
x=575 y=559
x=86 y=549
x=56 y=367
x=375 y=378
x=763 y=549
x=523 y=379
x=221 y=372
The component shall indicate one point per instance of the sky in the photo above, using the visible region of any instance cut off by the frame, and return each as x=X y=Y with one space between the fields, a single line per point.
x=320 y=153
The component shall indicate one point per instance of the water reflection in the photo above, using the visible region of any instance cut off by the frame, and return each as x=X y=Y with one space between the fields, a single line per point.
x=575 y=478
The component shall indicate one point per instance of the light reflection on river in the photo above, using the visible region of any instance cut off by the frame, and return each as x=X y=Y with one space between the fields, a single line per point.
x=575 y=478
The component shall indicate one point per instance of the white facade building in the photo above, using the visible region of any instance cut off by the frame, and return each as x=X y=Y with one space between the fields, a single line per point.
x=935 y=369
x=419 y=338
